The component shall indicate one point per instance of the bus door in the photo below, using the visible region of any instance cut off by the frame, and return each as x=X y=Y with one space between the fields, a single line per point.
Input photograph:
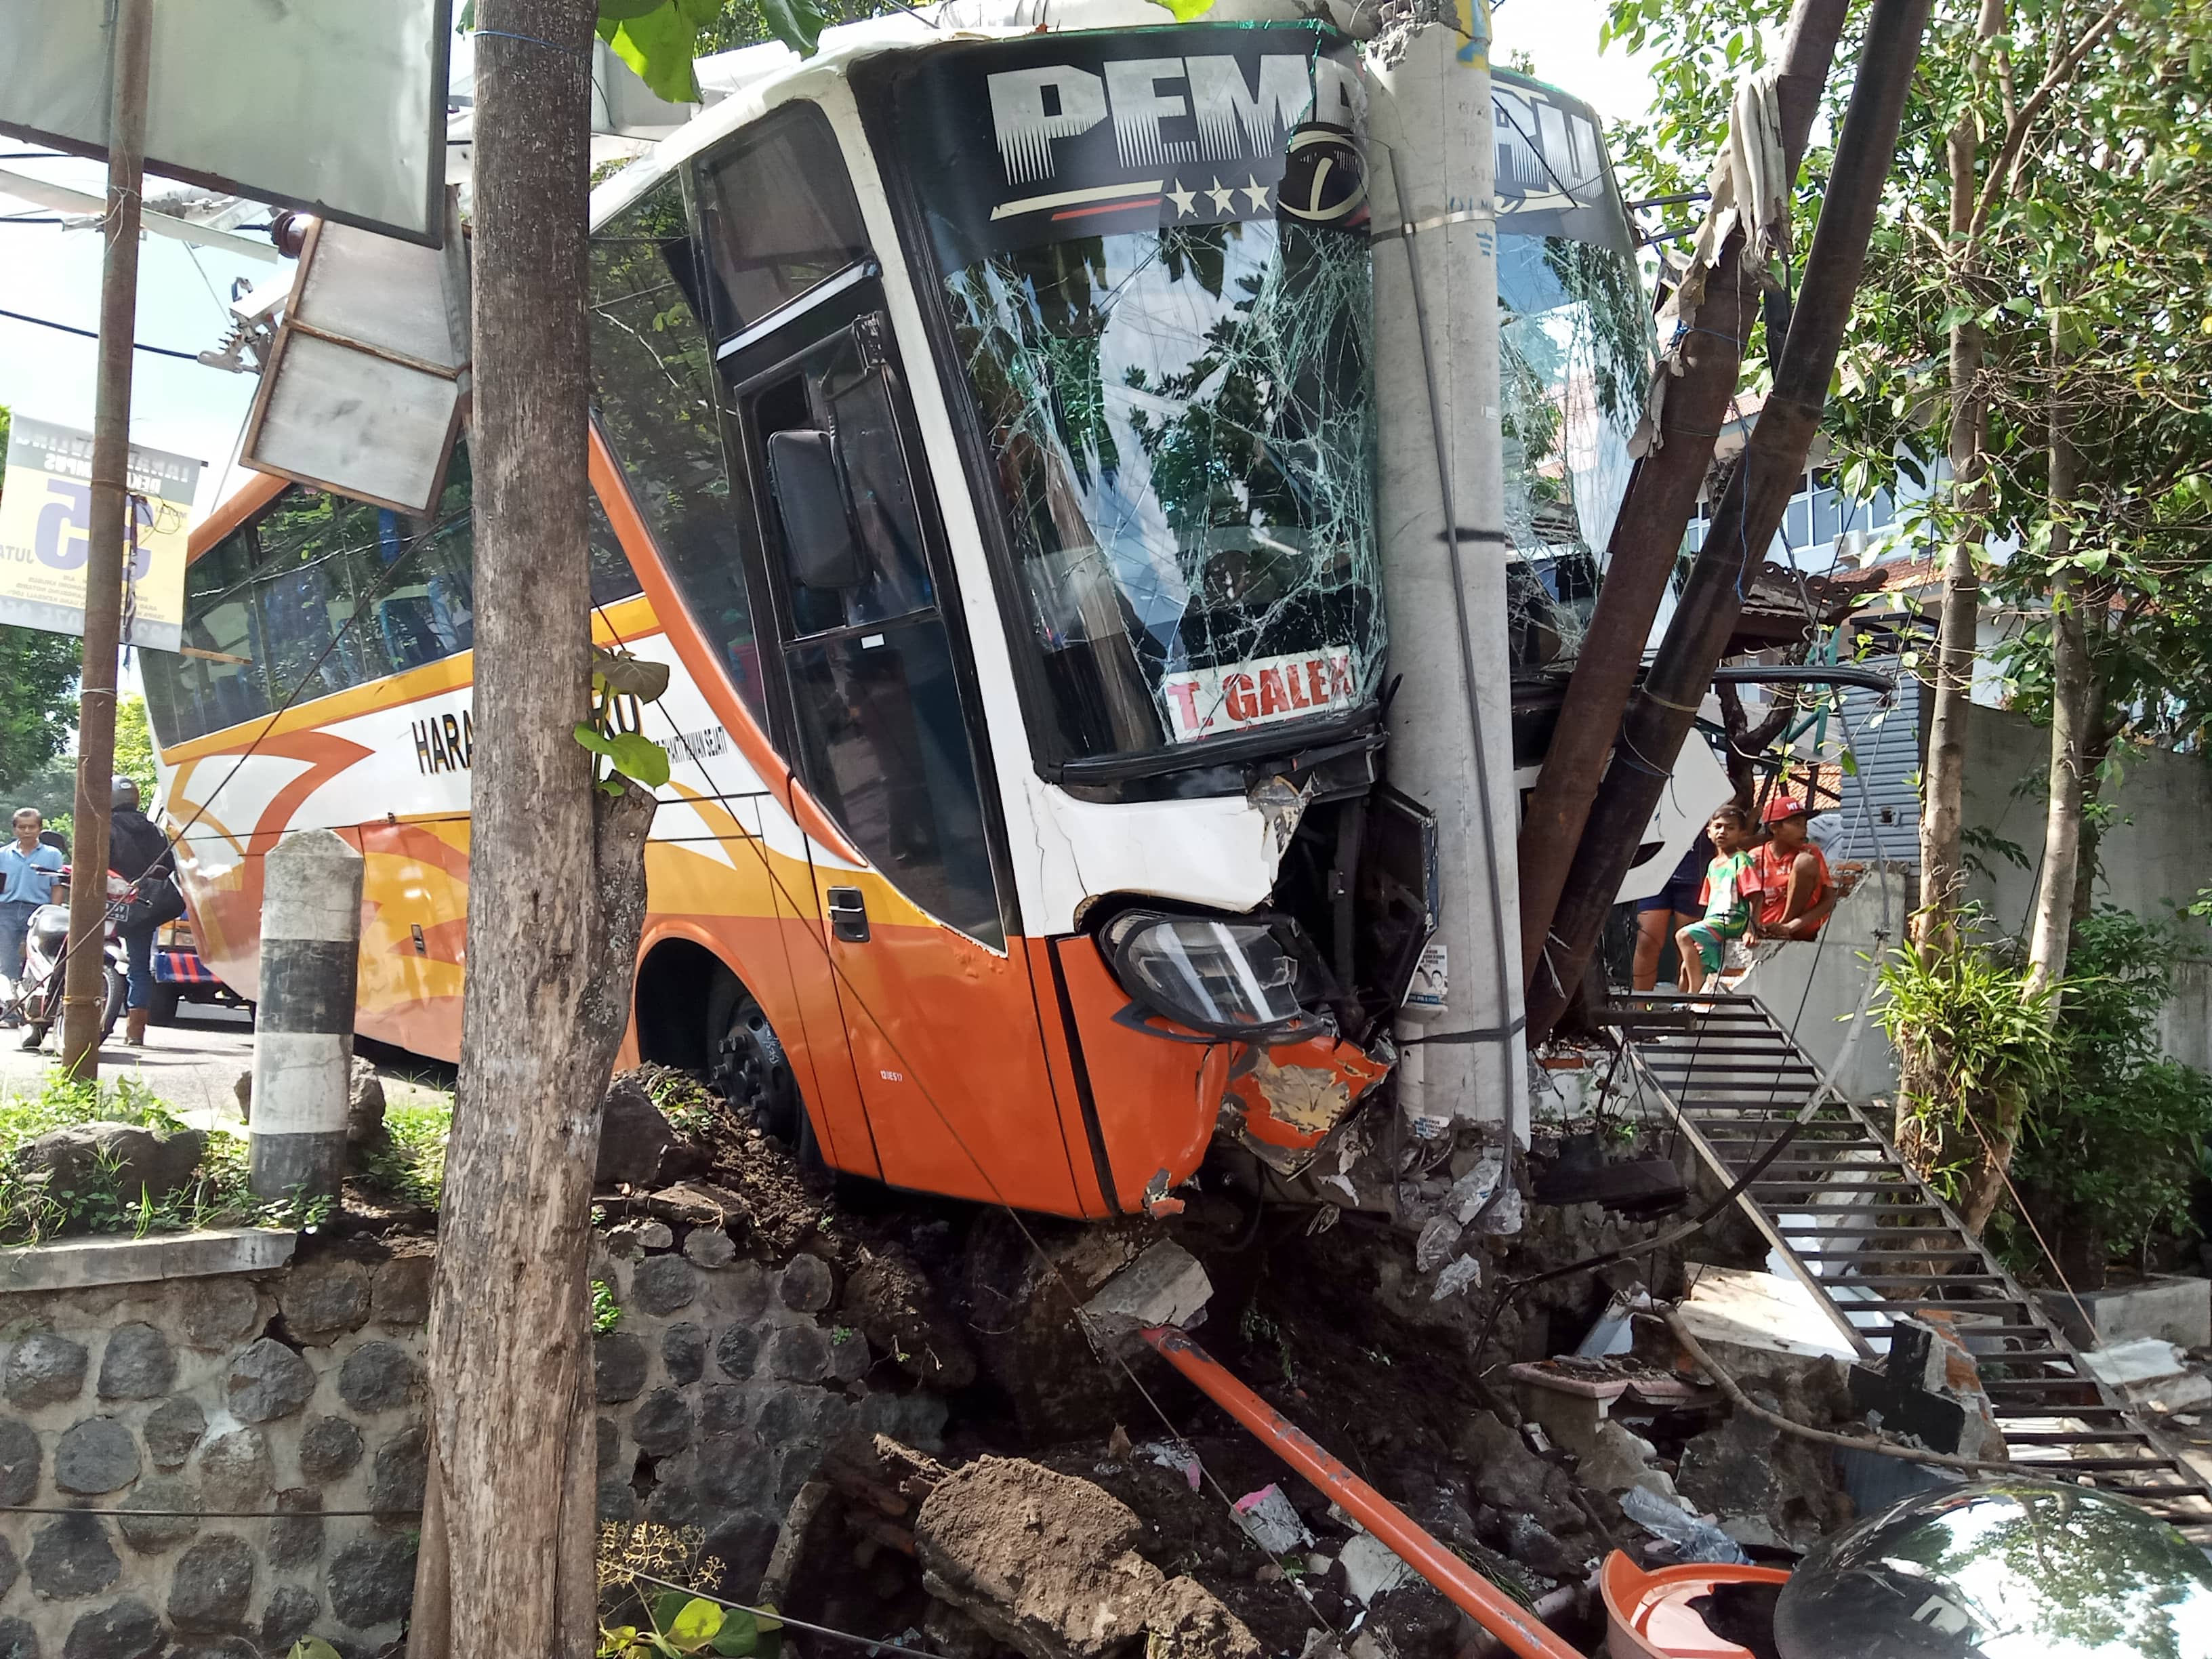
x=884 y=730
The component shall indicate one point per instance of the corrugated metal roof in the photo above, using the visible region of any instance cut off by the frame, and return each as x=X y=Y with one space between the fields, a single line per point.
x=1884 y=735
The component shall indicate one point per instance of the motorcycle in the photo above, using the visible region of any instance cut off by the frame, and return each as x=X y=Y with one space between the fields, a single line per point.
x=43 y=968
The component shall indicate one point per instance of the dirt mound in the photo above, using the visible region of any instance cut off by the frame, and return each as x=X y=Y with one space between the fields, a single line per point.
x=1047 y=1564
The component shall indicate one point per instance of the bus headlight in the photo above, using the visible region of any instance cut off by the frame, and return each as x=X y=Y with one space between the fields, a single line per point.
x=1231 y=978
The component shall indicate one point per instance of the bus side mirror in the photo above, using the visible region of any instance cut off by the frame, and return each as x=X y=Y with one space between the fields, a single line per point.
x=810 y=492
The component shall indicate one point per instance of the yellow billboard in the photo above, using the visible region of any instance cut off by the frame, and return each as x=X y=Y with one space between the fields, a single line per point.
x=45 y=522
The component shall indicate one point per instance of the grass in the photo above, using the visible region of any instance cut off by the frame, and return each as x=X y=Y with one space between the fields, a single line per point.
x=411 y=1167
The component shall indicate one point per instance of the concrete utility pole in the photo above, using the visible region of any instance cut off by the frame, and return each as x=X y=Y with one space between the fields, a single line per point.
x=1646 y=533
x=1758 y=495
x=83 y=989
x=1441 y=510
x=303 y=1025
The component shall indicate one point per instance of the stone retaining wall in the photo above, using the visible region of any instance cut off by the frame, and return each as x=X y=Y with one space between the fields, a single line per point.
x=295 y=1392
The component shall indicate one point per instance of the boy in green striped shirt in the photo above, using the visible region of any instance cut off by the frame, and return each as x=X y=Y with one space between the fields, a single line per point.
x=1729 y=883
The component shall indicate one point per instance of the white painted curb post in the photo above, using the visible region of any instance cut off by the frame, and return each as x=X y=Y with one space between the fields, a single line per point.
x=303 y=1029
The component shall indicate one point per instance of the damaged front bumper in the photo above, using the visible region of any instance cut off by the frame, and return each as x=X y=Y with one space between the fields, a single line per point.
x=1283 y=1101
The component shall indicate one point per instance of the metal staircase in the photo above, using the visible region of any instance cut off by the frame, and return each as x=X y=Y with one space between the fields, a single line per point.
x=1872 y=1241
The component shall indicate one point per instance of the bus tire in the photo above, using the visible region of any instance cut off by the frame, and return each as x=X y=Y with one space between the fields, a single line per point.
x=167 y=999
x=753 y=1074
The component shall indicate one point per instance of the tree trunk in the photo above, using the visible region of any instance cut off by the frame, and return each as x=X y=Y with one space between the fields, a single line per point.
x=2072 y=700
x=1985 y=1184
x=1746 y=742
x=1942 y=869
x=2097 y=744
x=556 y=897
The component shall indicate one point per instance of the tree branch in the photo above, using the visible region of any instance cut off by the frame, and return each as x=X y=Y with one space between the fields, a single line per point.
x=2016 y=132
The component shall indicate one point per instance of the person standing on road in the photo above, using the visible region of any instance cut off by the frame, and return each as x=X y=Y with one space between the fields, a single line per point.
x=138 y=852
x=28 y=870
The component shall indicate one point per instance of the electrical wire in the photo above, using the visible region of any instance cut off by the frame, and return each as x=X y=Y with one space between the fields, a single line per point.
x=94 y=334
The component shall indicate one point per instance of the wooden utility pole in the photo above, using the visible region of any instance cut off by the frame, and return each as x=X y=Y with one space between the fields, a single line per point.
x=557 y=901
x=83 y=986
x=1751 y=509
x=1647 y=531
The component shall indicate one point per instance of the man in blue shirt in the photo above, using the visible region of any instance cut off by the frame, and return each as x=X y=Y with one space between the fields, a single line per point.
x=28 y=870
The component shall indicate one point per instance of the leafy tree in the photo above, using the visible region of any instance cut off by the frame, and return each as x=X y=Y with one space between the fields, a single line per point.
x=38 y=676
x=134 y=747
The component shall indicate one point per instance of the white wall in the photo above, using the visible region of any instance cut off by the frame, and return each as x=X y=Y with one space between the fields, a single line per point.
x=2152 y=860
x=1812 y=988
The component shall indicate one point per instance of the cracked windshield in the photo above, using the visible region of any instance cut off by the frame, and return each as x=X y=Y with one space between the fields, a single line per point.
x=1575 y=356
x=1174 y=376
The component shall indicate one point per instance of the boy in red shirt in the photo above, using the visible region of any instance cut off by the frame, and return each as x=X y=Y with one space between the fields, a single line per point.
x=1792 y=891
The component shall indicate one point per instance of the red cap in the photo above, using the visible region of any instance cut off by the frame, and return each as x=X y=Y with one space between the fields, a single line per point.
x=1782 y=806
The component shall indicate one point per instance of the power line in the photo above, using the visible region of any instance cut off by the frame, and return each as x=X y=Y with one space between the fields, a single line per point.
x=94 y=334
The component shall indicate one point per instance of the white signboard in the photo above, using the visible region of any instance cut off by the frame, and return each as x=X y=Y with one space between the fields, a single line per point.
x=45 y=524
x=336 y=106
x=1260 y=692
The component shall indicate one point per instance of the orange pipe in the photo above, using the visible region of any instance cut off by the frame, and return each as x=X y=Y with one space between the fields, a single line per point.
x=1465 y=1588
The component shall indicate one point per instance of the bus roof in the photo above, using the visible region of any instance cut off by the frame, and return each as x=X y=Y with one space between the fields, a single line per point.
x=743 y=85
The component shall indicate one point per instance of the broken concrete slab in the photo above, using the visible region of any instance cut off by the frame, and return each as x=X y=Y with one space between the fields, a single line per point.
x=2152 y=1373
x=1165 y=1285
x=2169 y=1307
x=1372 y=1568
x=1749 y=1320
x=1046 y=1562
x=1272 y=1520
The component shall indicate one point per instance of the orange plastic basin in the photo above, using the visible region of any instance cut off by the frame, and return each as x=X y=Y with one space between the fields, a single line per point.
x=1649 y=1616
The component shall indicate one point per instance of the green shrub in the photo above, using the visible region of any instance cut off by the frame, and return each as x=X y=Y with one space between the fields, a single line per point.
x=1975 y=1045
x=2116 y=1137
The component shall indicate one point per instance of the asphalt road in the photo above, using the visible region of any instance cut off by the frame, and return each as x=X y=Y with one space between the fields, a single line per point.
x=192 y=1064
x=195 y=1064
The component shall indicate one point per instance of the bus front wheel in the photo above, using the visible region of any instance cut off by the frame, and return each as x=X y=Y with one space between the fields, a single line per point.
x=752 y=1072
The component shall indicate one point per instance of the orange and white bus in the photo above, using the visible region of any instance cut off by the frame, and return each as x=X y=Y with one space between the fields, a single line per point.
x=983 y=436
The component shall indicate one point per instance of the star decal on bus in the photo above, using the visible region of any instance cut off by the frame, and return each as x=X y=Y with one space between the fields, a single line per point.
x=1224 y=196
x=1185 y=200
x=1254 y=192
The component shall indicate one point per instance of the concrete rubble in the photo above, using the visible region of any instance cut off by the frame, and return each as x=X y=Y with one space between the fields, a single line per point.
x=1083 y=1501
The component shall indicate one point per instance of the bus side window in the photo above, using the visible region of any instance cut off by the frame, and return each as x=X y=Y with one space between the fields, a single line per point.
x=319 y=593
x=778 y=216
x=226 y=683
x=652 y=371
x=612 y=578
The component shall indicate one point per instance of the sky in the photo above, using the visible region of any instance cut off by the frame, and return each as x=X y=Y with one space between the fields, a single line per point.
x=51 y=272
x=1561 y=36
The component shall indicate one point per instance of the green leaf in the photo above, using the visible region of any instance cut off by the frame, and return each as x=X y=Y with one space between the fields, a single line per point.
x=313 y=1647
x=646 y=681
x=621 y=11
x=1849 y=763
x=696 y=1622
x=1187 y=10
x=593 y=740
x=739 y=1635
x=637 y=756
x=700 y=13
x=660 y=46
x=798 y=23
x=666 y=1606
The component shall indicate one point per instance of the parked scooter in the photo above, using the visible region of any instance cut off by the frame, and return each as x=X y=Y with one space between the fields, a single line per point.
x=41 y=984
